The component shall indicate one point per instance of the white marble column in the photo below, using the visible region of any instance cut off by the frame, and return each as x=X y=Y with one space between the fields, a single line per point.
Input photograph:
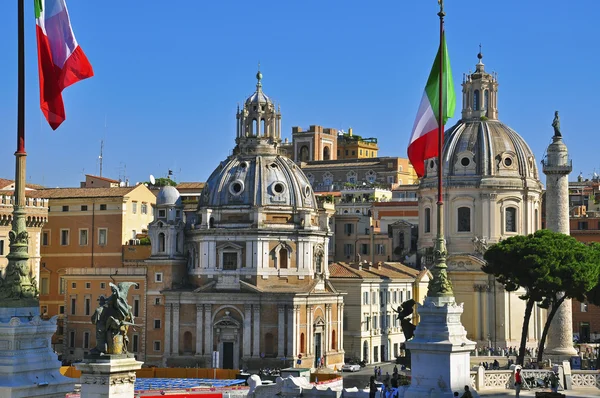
x=256 y=337
x=340 y=332
x=208 y=329
x=247 y=330
x=280 y=330
x=297 y=349
x=327 y=338
x=291 y=327
x=175 y=329
x=167 y=349
x=199 y=329
x=309 y=323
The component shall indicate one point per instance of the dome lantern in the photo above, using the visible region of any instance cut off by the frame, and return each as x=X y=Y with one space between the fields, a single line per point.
x=480 y=93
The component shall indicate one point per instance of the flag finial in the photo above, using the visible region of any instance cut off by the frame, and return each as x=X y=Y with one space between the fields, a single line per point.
x=441 y=3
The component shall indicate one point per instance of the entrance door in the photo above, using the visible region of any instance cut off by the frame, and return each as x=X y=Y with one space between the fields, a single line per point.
x=584 y=332
x=227 y=355
x=317 y=349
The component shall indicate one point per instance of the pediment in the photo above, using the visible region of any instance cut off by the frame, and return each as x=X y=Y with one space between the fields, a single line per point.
x=464 y=262
x=229 y=246
x=227 y=322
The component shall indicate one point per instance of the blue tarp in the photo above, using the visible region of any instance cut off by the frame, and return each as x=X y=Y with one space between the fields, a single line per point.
x=168 y=384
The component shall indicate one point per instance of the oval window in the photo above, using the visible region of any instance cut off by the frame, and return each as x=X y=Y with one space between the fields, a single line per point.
x=243 y=165
x=236 y=187
x=431 y=164
x=508 y=162
x=307 y=191
x=465 y=161
x=278 y=188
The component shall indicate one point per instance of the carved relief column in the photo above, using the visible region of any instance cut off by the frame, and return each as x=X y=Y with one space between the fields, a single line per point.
x=176 y=328
x=256 y=339
x=247 y=330
x=167 y=349
x=327 y=338
x=208 y=328
x=199 y=329
x=280 y=330
x=291 y=327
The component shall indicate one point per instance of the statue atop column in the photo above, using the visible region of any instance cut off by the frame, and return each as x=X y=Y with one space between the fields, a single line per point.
x=112 y=319
x=556 y=125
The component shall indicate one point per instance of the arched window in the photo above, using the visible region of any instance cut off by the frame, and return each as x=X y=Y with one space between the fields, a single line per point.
x=161 y=242
x=302 y=343
x=254 y=127
x=333 y=340
x=326 y=154
x=427 y=220
x=283 y=258
x=464 y=219
x=510 y=222
x=177 y=243
x=263 y=127
x=486 y=98
x=304 y=153
x=476 y=100
x=187 y=342
x=365 y=351
x=211 y=222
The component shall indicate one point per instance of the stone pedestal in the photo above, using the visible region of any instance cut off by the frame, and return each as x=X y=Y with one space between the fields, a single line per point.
x=28 y=365
x=108 y=376
x=440 y=351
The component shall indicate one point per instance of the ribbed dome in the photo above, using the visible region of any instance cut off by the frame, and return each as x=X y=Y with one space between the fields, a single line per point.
x=260 y=180
x=168 y=195
x=487 y=148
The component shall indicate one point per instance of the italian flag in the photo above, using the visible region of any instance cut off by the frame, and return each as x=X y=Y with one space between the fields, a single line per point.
x=61 y=62
x=424 y=139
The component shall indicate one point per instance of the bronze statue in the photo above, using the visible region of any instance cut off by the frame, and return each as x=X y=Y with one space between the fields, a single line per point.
x=112 y=319
x=556 y=125
x=404 y=310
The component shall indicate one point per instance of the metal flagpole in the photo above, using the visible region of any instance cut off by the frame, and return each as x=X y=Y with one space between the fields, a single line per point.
x=440 y=285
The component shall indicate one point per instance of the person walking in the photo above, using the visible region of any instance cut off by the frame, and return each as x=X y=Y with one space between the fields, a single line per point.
x=372 y=387
x=467 y=393
x=553 y=382
x=518 y=382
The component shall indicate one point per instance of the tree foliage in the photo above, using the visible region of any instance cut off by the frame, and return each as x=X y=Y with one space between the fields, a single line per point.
x=543 y=264
x=162 y=182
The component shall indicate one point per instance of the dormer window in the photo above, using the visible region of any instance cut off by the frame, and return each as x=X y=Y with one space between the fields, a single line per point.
x=476 y=100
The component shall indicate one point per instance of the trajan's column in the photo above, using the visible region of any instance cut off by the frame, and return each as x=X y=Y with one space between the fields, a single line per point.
x=557 y=166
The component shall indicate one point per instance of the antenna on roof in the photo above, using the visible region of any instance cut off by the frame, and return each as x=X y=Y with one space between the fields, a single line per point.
x=152 y=179
x=100 y=157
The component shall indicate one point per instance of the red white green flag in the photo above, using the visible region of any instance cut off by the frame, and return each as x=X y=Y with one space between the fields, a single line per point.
x=61 y=62
x=424 y=139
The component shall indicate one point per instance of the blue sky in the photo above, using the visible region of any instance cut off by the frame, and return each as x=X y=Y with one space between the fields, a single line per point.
x=168 y=77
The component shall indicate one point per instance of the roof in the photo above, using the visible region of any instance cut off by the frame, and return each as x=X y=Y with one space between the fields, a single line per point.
x=385 y=271
x=67 y=193
x=102 y=178
x=5 y=183
x=338 y=164
x=28 y=194
x=190 y=185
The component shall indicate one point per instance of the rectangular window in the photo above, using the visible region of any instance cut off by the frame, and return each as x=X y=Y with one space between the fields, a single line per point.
x=395 y=297
x=83 y=237
x=1 y=247
x=583 y=225
x=136 y=286
x=44 y=309
x=86 y=339
x=73 y=285
x=364 y=248
x=144 y=208
x=64 y=237
x=584 y=307
x=102 y=207
x=387 y=321
x=88 y=305
x=83 y=207
x=61 y=309
x=45 y=286
x=375 y=324
x=346 y=152
x=102 y=285
x=134 y=207
x=380 y=249
x=135 y=343
x=72 y=339
x=136 y=307
x=230 y=261
x=158 y=277
x=102 y=236
x=162 y=213
x=73 y=305
x=366 y=298
x=464 y=219
x=157 y=345
x=374 y=298
x=45 y=238
x=348 y=249
x=88 y=285
x=157 y=324
x=408 y=295
x=367 y=323
x=65 y=208
x=401 y=296
x=511 y=219
x=427 y=220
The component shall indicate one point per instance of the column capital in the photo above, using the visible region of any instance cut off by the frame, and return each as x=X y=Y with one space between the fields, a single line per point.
x=328 y=306
x=176 y=307
x=256 y=309
x=199 y=307
x=281 y=308
x=207 y=307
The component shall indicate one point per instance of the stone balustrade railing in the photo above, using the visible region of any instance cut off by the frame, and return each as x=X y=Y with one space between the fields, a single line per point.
x=9 y=200
x=585 y=379
x=482 y=379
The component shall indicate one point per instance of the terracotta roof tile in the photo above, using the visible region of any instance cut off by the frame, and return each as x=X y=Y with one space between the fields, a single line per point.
x=102 y=178
x=66 y=193
x=386 y=271
x=28 y=194
x=190 y=185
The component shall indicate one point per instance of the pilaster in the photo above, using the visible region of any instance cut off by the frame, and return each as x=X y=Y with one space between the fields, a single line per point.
x=256 y=337
x=167 y=349
x=199 y=329
x=280 y=330
x=175 y=349
x=208 y=329
x=247 y=330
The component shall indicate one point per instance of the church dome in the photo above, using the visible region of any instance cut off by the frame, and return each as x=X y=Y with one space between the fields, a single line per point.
x=169 y=196
x=261 y=180
x=258 y=97
x=487 y=148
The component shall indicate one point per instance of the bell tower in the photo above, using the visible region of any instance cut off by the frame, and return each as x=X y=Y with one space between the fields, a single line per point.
x=480 y=93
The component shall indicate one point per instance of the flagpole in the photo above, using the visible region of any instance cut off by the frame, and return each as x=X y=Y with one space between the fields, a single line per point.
x=19 y=288
x=439 y=285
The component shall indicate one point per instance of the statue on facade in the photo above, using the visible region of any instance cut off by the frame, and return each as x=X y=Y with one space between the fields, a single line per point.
x=556 y=125
x=480 y=245
x=112 y=319
x=404 y=311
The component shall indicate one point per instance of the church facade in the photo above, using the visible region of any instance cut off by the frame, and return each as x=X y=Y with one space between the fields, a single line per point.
x=247 y=285
x=492 y=191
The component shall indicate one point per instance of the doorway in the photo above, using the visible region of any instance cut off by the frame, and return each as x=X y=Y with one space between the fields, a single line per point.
x=227 y=355
x=317 y=349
